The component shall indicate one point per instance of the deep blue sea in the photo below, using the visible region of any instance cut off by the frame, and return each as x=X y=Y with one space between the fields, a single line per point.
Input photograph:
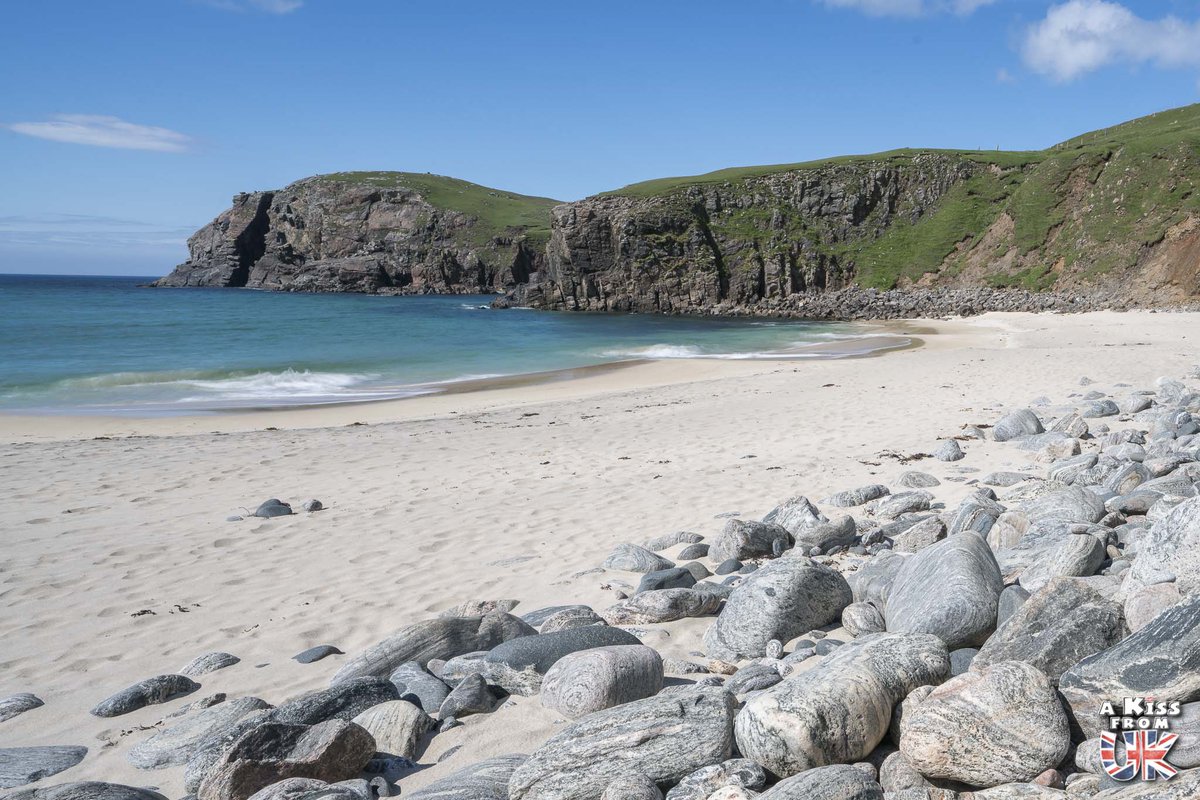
x=104 y=345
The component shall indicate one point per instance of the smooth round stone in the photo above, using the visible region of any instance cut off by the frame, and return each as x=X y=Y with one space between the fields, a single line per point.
x=273 y=508
x=18 y=704
x=728 y=566
x=209 y=662
x=317 y=653
x=592 y=680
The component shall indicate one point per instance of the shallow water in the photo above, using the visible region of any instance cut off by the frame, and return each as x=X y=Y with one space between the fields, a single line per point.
x=104 y=345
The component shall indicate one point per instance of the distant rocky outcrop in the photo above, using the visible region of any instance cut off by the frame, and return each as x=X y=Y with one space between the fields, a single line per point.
x=1110 y=219
x=376 y=232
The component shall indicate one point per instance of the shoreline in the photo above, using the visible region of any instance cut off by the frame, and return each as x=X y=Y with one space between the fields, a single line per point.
x=122 y=561
x=30 y=426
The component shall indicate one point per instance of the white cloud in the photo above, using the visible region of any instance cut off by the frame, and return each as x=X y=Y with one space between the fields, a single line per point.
x=1081 y=36
x=909 y=8
x=104 y=131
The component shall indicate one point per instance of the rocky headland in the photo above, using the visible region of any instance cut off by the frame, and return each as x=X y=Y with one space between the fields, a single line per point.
x=1110 y=219
x=874 y=644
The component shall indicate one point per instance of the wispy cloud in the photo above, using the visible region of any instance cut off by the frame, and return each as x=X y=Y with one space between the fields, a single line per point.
x=1082 y=36
x=83 y=231
x=104 y=131
x=909 y=8
x=265 y=6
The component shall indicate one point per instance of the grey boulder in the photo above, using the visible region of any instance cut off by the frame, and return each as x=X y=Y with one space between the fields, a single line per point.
x=860 y=619
x=418 y=686
x=782 y=600
x=344 y=701
x=484 y=780
x=665 y=738
x=950 y=589
x=518 y=665
x=209 y=662
x=736 y=772
x=1063 y=623
x=592 y=680
x=635 y=558
x=663 y=605
x=17 y=704
x=1022 y=422
x=1162 y=660
x=840 y=710
x=396 y=726
x=84 y=790
x=330 y=751
x=151 y=691
x=442 y=637
x=175 y=745
x=743 y=539
x=1171 y=546
x=22 y=765
x=1000 y=724
x=856 y=497
x=836 y=782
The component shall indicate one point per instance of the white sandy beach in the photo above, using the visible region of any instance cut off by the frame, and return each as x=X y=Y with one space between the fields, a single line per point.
x=509 y=493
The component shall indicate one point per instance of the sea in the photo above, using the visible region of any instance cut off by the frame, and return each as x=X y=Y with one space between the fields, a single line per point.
x=111 y=346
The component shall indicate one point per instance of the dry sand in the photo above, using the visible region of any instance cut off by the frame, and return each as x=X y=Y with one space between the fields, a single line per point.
x=511 y=493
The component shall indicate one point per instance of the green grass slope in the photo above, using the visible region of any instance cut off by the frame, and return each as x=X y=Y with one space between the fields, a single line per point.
x=498 y=211
x=1080 y=211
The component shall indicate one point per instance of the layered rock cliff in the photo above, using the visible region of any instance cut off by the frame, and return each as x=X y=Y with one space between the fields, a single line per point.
x=1113 y=213
x=370 y=232
x=1109 y=218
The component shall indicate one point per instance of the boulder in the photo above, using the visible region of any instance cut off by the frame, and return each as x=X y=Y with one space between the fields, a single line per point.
x=1147 y=602
x=84 y=790
x=631 y=786
x=914 y=479
x=174 y=745
x=780 y=601
x=673 y=578
x=344 y=701
x=860 y=619
x=663 y=605
x=470 y=696
x=999 y=724
x=484 y=780
x=518 y=665
x=396 y=726
x=209 y=662
x=17 y=704
x=1062 y=623
x=1162 y=660
x=743 y=539
x=1022 y=422
x=874 y=580
x=418 y=686
x=950 y=589
x=1076 y=555
x=736 y=772
x=856 y=497
x=838 y=711
x=592 y=680
x=840 y=532
x=948 y=450
x=22 y=765
x=795 y=514
x=665 y=738
x=920 y=535
x=329 y=751
x=1171 y=547
x=836 y=782
x=151 y=691
x=442 y=637
x=578 y=617
x=635 y=558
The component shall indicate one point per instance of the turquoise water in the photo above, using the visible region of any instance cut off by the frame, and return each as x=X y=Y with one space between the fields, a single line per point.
x=104 y=345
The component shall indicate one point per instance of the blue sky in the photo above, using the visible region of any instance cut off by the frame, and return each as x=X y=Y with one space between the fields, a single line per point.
x=125 y=125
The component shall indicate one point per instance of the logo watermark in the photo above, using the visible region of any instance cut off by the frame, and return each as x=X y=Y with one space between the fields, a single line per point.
x=1142 y=728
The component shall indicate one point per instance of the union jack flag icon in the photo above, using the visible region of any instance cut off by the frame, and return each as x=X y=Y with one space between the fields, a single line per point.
x=1145 y=753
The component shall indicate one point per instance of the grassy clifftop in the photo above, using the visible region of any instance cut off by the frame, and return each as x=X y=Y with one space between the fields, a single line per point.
x=498 y=211
x=1075 y=213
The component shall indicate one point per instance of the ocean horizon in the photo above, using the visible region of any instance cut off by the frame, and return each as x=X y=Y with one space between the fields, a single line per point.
x=109 y=345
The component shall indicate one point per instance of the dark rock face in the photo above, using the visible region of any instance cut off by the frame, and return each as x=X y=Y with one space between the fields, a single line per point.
x=338 y=234
x=665 y=738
